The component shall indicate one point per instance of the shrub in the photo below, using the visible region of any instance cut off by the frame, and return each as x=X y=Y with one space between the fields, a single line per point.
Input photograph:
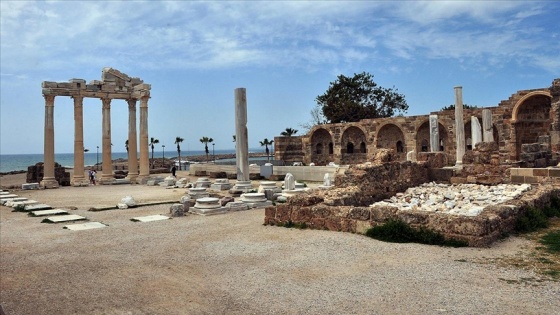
x=397 y=231
x=532 y=220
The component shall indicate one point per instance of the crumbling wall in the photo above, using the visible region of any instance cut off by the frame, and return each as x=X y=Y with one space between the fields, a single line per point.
x=36 y=172
x=478 y=231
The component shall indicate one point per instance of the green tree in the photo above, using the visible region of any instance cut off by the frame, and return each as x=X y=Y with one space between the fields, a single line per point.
x=265 y=143
x=178 y=140
x=206 y=140
x=153 y=141
x=288 y=132
x=359 y=97
x=465 y=106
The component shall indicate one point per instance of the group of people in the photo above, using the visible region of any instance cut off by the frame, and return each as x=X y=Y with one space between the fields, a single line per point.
x=92 y=173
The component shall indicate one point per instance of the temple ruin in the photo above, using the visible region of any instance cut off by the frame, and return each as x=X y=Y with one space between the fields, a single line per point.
x=113 y=85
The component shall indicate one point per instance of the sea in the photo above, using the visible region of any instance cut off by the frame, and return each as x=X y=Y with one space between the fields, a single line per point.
x=19 y=162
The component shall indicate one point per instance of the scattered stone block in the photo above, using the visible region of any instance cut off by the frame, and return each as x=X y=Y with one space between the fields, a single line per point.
x=34 y=207
x=150 y=218
x=30 y=186
x=42 y=213
x=177 y=210
x=64 y=218
x=85 y=226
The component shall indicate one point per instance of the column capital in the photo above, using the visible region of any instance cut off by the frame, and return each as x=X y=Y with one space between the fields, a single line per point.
x=131 y=103
x=144 y=101
x=49 y=99
x=106 y=102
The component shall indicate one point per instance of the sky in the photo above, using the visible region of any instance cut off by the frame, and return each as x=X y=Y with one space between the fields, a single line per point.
x=285 y=53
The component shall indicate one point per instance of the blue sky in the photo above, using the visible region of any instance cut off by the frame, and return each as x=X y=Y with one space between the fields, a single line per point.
x=194 y=54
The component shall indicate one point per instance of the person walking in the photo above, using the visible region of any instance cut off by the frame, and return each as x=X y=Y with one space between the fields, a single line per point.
x=173 y=170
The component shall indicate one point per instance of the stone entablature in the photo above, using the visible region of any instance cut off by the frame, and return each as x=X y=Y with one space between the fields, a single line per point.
x=519 y=120
x=113 y=85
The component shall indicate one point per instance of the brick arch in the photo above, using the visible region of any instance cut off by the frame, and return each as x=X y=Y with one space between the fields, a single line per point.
x=321 y=142
x=353 y=145
x=531 y=118
x=391 y=136
x=519 y=104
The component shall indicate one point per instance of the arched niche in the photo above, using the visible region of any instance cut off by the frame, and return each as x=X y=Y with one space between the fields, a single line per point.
x=423 y=138
x=390 y=136
x=531 y=118
x=321 y=139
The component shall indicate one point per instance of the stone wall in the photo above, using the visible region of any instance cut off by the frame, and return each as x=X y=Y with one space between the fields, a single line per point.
x=519 y=120
x=478 y=231
x=35 y=174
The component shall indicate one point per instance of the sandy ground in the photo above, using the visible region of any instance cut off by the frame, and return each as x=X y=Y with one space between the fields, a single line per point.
x=233 y=264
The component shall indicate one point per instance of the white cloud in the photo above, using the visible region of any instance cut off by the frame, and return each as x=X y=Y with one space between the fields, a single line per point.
x=175 y=34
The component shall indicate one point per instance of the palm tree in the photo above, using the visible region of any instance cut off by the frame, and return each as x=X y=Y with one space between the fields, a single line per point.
x=206 y=140
x=265 y=143
x=86 y=150
x=126 y=145
x=235 y=141
x=178 y=140
x=288 y=132
x=152 y=142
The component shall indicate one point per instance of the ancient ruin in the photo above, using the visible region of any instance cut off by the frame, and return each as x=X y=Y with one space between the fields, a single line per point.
x=515 y=122
x=400 y=168
x=113 y=85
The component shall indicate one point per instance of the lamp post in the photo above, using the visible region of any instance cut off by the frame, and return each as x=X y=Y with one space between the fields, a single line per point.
x=97 y=156
x=213 y=155
x=163 y=158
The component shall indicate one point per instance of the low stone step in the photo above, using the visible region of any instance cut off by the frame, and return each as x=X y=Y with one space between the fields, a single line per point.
x=150 y=218
x=85 y=226
x=64 y=218
x=39 y=206
x=42 y=213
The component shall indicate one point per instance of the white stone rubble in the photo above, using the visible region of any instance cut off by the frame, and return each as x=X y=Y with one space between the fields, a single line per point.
x=463 y=199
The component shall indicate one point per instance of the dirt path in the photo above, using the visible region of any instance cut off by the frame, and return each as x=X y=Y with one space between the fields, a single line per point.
x=233 y=264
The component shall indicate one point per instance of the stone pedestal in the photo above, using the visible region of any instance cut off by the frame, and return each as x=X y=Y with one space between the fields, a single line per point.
x=198 y=192
x=255 y=200
x=291 y=192
x=244 y=186
x=208 y=206
x=221 y=184
x=202 y=182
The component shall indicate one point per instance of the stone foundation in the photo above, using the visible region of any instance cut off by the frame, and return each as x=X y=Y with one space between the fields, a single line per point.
x=346 y=207
x=478 y=231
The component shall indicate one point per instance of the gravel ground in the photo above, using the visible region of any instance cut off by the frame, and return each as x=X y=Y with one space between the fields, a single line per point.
x=233 y=264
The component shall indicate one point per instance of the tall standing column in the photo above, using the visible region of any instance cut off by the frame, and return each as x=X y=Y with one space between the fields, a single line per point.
x=459 y=126
x=107 y=175
x=49 y=180
x=132 y=141
x=487 y=130
x=241 y=135
x=242 y=145
x=78 y=179
x=144 y=157
x=434 y=133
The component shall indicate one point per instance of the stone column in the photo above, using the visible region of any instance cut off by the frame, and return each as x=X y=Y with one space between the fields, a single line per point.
x=459 y=126
x=476 y=131
x=79 y=179
x=434 y=133
x=132 y=141
x=107 y=175
x=555 y=116
x=49 y=180
x=242 y=146
x=487 y=129
x=144 y=152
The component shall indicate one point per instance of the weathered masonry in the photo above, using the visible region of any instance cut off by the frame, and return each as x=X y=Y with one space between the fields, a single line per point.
x=527 y=117
x=113 y=85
